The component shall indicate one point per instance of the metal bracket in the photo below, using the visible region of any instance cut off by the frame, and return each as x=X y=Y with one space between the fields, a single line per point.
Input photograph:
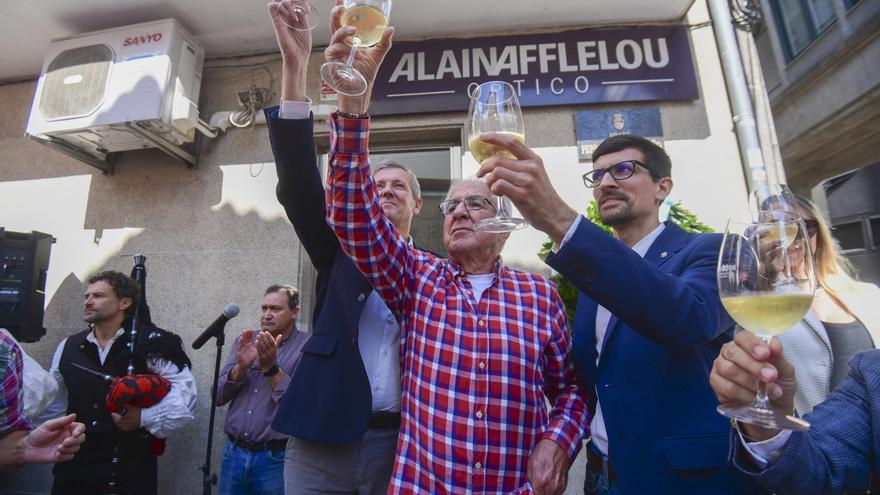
x=162 y=143
x=72 y=151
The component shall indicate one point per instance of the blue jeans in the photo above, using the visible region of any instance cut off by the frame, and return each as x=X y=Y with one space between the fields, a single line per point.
x=251 y=473
x=596 y=481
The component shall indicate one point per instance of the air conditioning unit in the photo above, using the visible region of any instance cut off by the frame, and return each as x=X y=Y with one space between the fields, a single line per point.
x=119 y=89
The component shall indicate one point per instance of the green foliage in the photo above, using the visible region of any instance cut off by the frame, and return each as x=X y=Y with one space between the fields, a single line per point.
x=680 y=216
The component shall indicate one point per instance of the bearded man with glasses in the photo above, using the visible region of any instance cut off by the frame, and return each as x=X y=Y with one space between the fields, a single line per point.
x=649 y=321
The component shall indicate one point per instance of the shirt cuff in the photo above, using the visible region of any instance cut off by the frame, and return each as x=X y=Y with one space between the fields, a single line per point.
x=765 y=452
x=292 y=109
x=571 y=230
x=348 y=136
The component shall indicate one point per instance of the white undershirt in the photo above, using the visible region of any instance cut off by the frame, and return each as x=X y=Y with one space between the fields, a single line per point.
x=479 y=284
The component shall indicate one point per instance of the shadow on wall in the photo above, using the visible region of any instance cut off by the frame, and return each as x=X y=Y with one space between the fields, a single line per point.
x=202 y=253
x=187 y=288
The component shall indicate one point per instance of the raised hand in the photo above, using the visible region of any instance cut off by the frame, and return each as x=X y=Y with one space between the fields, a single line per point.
x=295 y=46
x=245 y=351
x=366 y=61
x=525 y=181
x=267 y=350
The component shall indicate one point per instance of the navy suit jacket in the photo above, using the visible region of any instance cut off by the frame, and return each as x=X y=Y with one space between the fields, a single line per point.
x=841 y=448
x=328 y=399
x=667 y=327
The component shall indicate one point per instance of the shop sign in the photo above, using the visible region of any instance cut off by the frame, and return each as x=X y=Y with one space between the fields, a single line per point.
x=564 y=68
x=594 y=126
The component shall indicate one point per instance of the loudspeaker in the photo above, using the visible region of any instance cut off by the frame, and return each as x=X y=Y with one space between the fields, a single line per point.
x=24 y=261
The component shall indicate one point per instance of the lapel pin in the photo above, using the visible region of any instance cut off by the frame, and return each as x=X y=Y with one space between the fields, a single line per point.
x=663 y=254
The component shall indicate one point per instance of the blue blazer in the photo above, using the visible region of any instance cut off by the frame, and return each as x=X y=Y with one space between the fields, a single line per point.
x=328 y=399
x=841 y=448
x=667 y=327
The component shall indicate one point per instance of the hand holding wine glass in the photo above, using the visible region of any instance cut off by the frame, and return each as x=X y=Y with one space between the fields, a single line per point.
x=295 y=46
x=766 y=284
x=298 y=15
x=494 y=108
x=356 y=24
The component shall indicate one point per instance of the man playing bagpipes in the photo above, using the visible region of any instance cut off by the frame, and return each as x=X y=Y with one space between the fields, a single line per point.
x=129 y=401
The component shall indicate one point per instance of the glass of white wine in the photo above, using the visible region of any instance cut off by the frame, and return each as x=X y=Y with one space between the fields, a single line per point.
x=299 y=15
x=767 y=199
x=495 y=108
x=369 y=18
x=766 y=282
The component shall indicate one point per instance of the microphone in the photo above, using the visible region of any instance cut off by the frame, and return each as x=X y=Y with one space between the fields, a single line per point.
x=229 y=312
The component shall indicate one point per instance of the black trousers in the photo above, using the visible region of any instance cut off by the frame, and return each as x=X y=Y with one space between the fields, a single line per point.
x=92 y=470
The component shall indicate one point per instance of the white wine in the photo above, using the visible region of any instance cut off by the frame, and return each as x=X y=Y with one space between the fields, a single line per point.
x=482 y=150
x=770 y=314
x=776 y=233
x=369 y=22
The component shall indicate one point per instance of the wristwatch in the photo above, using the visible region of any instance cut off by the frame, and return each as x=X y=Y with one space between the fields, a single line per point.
x=272 y=371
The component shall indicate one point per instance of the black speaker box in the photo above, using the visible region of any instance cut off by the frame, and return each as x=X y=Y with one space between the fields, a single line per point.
x=24 y=261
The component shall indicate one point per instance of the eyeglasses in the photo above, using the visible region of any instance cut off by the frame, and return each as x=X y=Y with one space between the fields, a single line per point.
x=812 y=227
x=618 y=171
x=471 y=204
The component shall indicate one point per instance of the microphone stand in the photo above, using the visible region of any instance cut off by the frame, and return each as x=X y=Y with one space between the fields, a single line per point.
x=208 y=478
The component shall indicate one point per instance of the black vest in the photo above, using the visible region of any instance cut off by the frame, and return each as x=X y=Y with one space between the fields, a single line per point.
x=86 y=393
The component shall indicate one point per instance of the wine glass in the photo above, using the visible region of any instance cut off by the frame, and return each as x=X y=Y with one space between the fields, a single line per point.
x=299 y=15
x=769 y=198
x=495 y=108
x=766 y=282
x=370 y=18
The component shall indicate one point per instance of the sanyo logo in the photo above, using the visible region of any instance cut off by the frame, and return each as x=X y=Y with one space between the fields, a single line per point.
x=142 y=39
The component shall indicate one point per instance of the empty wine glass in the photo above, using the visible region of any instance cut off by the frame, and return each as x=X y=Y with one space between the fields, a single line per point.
x=299 y=15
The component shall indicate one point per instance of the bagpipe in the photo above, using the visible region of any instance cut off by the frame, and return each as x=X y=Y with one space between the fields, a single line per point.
x=145 y=340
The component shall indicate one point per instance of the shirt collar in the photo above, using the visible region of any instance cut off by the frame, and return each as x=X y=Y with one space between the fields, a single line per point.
x=645 y=243
x=91 y=337
x=458 y=271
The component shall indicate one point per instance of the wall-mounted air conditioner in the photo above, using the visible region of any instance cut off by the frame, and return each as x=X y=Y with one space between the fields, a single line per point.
x=119 y=89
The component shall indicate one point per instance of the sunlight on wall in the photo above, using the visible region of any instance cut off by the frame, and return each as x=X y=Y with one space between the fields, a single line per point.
x=709 y=185
x=24 y=207
x=250 y=188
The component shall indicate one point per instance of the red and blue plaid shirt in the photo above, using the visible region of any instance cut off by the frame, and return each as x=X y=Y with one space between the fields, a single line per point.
x=12 y=416
x=476 y=374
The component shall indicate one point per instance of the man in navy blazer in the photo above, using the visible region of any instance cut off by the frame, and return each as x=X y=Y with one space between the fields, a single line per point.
x=342 y=407
x=840 y=451
x=648 y=324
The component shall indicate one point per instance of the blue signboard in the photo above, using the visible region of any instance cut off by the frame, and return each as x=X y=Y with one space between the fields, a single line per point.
x=594 y=126
x=565 y=68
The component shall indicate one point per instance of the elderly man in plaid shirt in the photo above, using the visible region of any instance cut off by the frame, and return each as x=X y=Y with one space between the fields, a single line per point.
x=484 y=345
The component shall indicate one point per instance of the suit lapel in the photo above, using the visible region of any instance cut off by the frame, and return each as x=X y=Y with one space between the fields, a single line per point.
x=672 y=240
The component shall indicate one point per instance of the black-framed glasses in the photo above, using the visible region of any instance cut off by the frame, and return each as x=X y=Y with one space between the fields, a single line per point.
x=812 y=227
x=618 y=171
x=471 y=203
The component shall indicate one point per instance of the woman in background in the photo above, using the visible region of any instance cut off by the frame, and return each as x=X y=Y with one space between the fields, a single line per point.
x=843 y=320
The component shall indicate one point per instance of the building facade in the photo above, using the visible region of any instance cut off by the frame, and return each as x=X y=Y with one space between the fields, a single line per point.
x=819 y=61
